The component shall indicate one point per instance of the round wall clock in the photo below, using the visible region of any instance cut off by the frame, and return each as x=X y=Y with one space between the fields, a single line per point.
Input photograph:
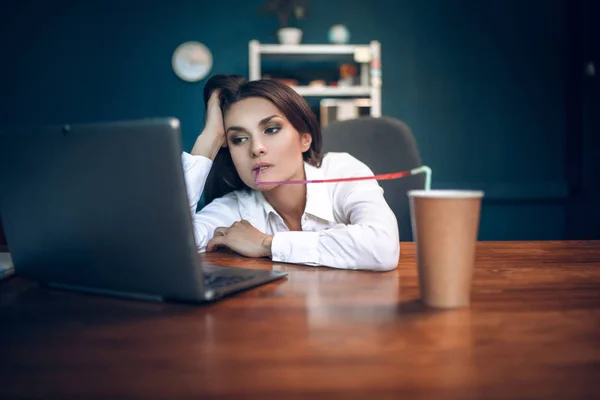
x=192 y=61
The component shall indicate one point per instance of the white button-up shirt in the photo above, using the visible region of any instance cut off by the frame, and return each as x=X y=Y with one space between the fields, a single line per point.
x=344 y=225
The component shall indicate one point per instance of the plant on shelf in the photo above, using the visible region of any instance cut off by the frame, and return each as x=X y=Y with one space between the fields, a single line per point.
x=287 y=11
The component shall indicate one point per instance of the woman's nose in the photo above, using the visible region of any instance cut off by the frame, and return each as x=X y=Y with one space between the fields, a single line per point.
x=259 y=149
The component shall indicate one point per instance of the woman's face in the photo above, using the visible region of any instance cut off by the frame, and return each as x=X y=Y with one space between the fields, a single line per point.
x=260 y=138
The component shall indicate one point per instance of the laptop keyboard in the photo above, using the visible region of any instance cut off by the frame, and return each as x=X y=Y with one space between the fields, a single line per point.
x=214 y=281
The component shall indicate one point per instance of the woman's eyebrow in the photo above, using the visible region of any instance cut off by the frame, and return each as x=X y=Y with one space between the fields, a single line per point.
x=262 y=122
x=236 y=129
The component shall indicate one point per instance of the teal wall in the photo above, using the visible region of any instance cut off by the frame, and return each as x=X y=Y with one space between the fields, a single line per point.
x=481 y=83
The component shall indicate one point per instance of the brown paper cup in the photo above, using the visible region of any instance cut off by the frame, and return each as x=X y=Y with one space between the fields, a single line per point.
x=445 y=226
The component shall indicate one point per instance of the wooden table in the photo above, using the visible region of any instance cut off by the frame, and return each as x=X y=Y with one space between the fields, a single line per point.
x=532 y=331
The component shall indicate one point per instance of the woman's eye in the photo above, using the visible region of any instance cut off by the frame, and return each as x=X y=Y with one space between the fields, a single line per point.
x=238 y=140
x=272 y=130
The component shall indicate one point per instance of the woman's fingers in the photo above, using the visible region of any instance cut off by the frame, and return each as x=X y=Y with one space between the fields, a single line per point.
x=214 y=242
x=221 y=231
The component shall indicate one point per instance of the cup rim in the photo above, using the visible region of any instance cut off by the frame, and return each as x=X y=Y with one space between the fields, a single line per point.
x=447 y=193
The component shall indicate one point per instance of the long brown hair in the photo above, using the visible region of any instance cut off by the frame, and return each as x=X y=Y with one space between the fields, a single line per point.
x=223 y=177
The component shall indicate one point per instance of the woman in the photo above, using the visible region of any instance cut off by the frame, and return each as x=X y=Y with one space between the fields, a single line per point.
x=266 y=126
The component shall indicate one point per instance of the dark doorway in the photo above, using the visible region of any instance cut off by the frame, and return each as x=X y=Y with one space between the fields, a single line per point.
x=583 y=113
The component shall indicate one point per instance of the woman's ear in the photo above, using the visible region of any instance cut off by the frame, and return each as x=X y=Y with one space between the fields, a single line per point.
x=305 y=141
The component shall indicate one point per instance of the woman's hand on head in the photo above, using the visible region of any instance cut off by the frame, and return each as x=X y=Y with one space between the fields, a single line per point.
x=212 y=137
x=214 y=118
x=242 y=238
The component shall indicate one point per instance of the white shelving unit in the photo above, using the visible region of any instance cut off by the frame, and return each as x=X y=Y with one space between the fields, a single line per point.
x=368 y=56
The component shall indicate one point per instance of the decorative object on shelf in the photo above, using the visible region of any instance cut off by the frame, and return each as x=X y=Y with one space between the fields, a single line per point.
x=289 y=35
x=317 y=83
x=339 y=34
x=192 y=61
x=286 y=12
x=347 y=75
x=363 y=55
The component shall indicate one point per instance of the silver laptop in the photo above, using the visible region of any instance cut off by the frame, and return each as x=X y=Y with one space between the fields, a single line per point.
x=103 y=208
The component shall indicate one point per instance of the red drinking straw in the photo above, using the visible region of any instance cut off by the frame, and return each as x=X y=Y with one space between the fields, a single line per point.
x=381 y=177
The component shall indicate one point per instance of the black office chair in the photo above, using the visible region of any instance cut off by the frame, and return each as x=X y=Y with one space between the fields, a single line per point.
x=386 y=145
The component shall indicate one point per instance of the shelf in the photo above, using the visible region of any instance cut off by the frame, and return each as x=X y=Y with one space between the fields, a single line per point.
x=324 y=49
x=332 y=91
x=367 y=55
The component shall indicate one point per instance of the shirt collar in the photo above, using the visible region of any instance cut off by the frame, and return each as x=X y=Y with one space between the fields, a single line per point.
x=318 y=202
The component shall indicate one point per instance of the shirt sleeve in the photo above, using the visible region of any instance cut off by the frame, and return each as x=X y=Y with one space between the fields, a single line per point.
x=195 y=170
x=368 y=240
x=223 y=211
